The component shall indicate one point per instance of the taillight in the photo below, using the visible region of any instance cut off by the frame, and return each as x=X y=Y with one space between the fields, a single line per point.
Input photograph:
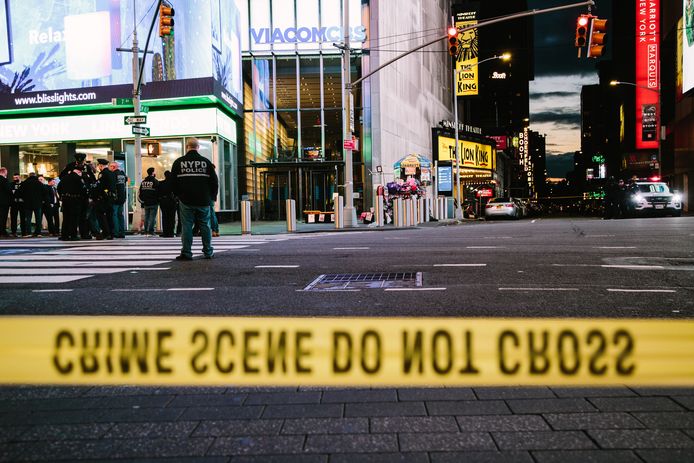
x=509 y=205
x=489 y=206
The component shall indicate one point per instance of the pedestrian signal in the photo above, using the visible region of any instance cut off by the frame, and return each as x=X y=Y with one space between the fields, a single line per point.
x=582 y=30
x=596 y=41
x=166 y=21
x=453 y=44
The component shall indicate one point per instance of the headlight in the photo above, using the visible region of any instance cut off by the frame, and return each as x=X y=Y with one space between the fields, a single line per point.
x=637 y=198
x=677 y=198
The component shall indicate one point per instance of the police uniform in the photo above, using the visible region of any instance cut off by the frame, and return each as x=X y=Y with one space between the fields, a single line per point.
x=72 y=193
x=104 y=197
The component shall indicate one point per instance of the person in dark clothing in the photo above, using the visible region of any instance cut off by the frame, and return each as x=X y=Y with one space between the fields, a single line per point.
x=53 y=214
x=32 y=193
x=16 y=209
x=72 y=192
x=104 y=197
x=49 y=199
x=168 y=204
x=195 y=183
x=86 y=226
x=5 y=201
x=121 y=199
x=148 y=196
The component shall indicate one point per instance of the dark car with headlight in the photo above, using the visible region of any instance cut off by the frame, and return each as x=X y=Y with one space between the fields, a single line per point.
x=646 y=197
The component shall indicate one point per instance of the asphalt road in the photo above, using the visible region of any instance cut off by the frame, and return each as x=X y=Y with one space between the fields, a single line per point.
x=546 y=267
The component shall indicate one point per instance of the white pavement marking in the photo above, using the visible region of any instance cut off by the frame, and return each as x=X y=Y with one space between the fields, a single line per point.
x=352 y=248
x=460 y=265
x=134 y=249
x=538 y=289
x=190 y=289
x=86 y=257
x=598 y=236
x=276 y=266
x=52 y=271
x=497 y=237
x=71 y=264
x=615 y=247
x=51 y=290
x=142 y=290
x=533 y=221
x=624 y=290
x=44 y=279
x=484 y=247
x=415 y=289
x=635 y=267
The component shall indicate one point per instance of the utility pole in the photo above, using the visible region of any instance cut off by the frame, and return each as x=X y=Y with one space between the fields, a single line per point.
x=350 y=215
x=137 y=211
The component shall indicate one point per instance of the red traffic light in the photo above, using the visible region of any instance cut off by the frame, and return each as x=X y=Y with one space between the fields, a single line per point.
x=166 y=21
x=582 y=30
x=453 y=45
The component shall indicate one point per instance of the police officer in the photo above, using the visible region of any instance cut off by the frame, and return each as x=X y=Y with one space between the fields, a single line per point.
x=149 y=198
x=5 y=201
x=88 y=180
x=104 y=197
x=72 y=192
x=121 y=199
x=16 y=208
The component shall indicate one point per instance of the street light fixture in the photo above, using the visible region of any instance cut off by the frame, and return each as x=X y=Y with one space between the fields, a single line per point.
x=614 y=83
x=459 y=206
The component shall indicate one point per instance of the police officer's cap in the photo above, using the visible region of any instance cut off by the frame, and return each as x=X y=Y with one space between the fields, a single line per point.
x=79 y=157
x=102 y=161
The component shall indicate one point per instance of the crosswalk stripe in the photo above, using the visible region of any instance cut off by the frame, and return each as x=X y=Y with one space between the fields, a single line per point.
x=74 y=264
x=44 y=279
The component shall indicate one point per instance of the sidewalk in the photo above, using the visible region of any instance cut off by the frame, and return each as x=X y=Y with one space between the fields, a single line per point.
x=280 y=227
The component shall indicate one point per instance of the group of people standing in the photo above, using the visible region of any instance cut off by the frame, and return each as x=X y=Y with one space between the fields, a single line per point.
x=33 y=198
x=93 y=201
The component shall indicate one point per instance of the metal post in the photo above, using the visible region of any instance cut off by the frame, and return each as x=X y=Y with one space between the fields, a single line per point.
x=290 y=206
x=351 y=215
x=137 y=144
x=245 y=217
x=458 y=209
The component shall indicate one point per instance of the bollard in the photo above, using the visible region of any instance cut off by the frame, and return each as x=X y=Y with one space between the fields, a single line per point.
x=379 y=211
x=414 y=213
x=398 y=212
x=245 y=217
x=290 y=206
x=427 y=209
x=338 y=209
x=420 y=210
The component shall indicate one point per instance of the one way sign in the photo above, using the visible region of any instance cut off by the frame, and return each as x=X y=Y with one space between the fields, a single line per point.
x=130 y=120
x=139 y=130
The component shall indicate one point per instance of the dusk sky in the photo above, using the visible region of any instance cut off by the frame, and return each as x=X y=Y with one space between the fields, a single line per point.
x=555 y=94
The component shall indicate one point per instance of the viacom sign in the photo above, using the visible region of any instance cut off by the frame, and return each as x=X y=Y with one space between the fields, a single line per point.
x=266 y=35
x=472 y=155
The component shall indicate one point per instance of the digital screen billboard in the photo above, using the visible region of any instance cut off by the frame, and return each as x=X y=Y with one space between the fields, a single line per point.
x=64 y=53
x=688 y=45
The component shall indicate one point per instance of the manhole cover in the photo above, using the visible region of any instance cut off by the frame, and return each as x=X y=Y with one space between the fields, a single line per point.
x=347 y=281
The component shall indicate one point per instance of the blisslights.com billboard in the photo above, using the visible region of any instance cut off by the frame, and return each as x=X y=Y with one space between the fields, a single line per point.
x=64 y=53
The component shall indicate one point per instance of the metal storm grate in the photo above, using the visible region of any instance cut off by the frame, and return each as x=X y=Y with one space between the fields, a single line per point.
x=350 y=281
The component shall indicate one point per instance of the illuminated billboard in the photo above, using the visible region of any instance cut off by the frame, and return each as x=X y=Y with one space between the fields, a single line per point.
x=688 y=45
x=647 y=73
x=65 y=53
x=466 y=63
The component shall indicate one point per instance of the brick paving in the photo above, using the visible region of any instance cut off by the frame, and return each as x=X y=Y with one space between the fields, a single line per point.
x=513 y=424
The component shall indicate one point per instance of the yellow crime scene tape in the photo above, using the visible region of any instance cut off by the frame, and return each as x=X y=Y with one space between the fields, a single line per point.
x=344 y=351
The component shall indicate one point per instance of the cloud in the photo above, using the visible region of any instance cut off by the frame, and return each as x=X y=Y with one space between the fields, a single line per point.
x=559 y=117
x=539 y=96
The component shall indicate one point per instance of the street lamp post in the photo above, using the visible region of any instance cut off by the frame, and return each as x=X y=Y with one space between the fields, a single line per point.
x=660 y=110
x=459 y=194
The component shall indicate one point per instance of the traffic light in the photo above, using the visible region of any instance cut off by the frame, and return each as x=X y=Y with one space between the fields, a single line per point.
x=453 y=44
x=166 y=21
x=596 y=41
x=582 y=24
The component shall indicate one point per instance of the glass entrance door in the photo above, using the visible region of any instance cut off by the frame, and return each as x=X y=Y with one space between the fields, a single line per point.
x=320 y=190
x=277 y=190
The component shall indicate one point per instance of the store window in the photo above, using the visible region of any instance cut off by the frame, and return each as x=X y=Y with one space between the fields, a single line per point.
x=40 y=159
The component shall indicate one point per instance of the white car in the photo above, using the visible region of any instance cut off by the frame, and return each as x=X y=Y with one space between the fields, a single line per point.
x=502 y=207
x=653 y=197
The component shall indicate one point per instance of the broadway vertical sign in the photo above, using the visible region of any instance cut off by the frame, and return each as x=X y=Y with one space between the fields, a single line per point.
x=466 y=66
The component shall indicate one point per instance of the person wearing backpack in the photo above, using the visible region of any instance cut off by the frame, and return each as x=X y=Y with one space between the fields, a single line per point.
x=121 y=199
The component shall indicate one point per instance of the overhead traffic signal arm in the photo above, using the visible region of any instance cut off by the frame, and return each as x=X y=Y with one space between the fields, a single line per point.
x=596 y=41
x=166 y=21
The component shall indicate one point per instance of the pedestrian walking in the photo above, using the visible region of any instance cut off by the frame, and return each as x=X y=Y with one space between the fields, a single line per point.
x=5 y=201
x=72 y=191
x=32 y=193
x=149 y=200
x=105 y=196
x=168 y=204
x=121 y=199
x=16 y=209
x=195 y=183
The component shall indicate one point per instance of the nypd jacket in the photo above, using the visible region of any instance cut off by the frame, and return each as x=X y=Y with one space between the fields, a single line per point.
x=148 y=191
x=195 y=181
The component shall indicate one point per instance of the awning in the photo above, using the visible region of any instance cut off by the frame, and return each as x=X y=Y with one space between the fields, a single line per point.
x=413 y=160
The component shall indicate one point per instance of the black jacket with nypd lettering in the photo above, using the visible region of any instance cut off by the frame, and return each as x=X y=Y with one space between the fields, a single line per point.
x=148 y=191
x=194 y=179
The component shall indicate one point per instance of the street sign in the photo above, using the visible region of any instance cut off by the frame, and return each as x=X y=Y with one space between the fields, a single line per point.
x=139 y=130
x=122 y=101
x=348 y=144
x=130 y=120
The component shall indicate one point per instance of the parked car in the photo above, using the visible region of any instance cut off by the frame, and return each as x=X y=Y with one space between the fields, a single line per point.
x=502 y=207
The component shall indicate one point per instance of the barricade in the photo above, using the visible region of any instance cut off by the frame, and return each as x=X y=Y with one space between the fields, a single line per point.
x=245 y=217
x=290 y=205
